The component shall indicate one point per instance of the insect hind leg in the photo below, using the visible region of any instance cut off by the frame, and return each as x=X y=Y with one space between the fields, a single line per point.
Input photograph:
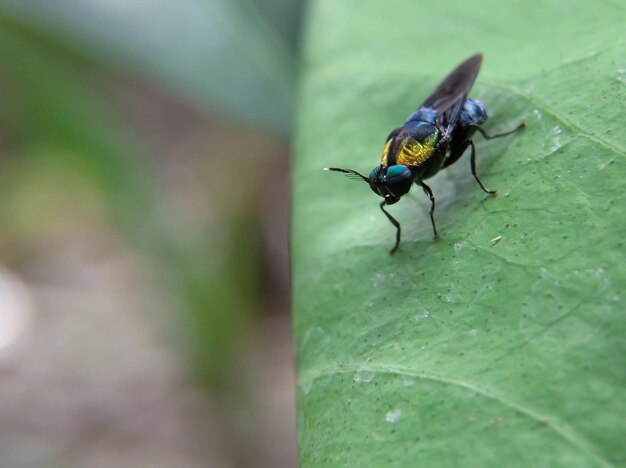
x=470 y=143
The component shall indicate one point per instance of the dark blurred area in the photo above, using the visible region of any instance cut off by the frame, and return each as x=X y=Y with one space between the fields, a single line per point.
x=144 y=296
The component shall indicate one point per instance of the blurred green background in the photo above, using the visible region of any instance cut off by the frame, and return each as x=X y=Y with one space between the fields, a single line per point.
x=143 y=232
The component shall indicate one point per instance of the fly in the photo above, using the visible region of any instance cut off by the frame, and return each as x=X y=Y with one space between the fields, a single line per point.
x=431 y=138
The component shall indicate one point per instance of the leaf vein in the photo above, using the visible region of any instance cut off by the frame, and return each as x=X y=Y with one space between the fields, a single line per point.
x=566 y=123
x=560 y=428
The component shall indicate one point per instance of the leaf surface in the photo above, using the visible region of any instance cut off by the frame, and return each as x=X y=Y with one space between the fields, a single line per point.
x=463 y=352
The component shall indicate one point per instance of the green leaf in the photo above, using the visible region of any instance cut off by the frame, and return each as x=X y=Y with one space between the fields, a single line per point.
x=463 y=352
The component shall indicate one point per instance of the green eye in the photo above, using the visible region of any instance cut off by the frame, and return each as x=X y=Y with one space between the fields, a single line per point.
x=374 y=173
x=397 y=173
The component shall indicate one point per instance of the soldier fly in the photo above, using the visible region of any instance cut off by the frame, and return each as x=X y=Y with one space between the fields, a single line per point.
x=432 y=138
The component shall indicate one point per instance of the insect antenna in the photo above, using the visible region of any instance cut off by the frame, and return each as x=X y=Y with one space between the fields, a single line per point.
x=352 y=174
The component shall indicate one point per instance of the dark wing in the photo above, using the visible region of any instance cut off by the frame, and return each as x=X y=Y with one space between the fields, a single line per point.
x=450 y=95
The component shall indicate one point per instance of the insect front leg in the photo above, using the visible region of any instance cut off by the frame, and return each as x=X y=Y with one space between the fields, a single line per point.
x=429 y=192
x=395 y=222
x=484 y=133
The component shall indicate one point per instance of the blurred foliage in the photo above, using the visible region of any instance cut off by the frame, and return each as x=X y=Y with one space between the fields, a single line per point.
x=231 y=57
x=284 y=16
x=67 y=154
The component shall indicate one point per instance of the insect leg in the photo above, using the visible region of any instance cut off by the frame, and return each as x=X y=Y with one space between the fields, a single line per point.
x=473 y=164
x=484 y=133
x=429 y=192
x=395 y=222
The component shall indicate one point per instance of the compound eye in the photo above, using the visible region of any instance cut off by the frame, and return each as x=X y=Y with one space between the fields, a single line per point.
x=397 y=174
x=374 y=173
x=374 y=184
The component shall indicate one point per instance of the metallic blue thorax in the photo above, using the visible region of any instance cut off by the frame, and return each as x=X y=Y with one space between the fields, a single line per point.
x=473 y=113
x=423 y=114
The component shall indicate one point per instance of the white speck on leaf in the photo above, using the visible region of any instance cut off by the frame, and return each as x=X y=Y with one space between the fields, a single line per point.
x=557 y=140
x=363 y=376
x=305 y=384
x=621 y=74
x=556 y=135
x=458 y=246
x=393 y=416
x=424 y=315
x=473 y=332
x=379 y=279
x=408 y=382
x=317 y=336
